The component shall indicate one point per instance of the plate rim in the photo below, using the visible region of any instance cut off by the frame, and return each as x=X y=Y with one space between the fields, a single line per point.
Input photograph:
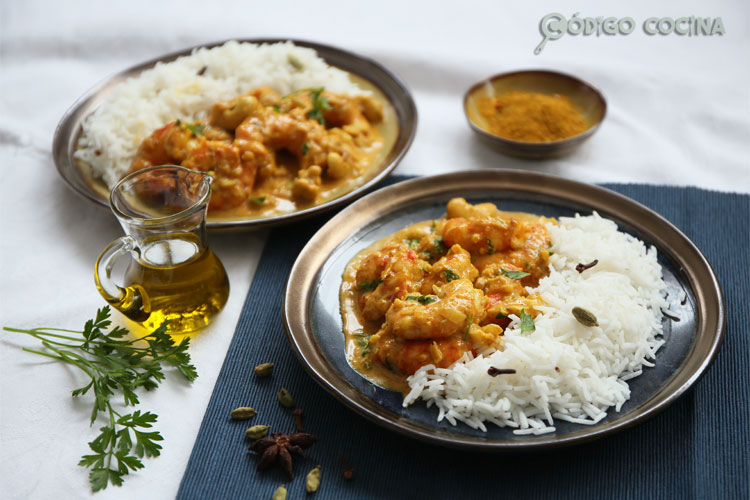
x=709 y=300
x=68 y=126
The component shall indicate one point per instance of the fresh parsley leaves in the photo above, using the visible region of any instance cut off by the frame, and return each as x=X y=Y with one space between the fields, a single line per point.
x=115 y=363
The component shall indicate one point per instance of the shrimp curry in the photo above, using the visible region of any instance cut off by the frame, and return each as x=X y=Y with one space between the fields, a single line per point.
x=436 y=290
x=270 y=154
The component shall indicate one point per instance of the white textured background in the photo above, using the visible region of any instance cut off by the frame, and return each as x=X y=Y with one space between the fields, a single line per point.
x=678 y=113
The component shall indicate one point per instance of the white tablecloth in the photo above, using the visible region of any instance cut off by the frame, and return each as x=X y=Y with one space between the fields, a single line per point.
x=679 y=113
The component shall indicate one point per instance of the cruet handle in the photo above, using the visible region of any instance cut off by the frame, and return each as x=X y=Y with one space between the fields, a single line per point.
x=131 y=301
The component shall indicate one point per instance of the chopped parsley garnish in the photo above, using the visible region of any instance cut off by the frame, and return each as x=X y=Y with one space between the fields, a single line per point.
x=527 y=322
x=389 y=366
x=259 y=200
x=305 y=148
x=438 y=247
x=369 y=285
x=363 y=341
x=276 y=108
x=468 y=327
x=490 y=247
x=450 y=275
x=514 y=275
x=196 y=129
x=423 y=299
x=319 y=104
x=413 y=243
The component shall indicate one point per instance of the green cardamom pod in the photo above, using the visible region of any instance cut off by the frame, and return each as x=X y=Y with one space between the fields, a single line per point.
x=243 y=413
x=263 y=370
x=584 y=317
x=285 y=398
x=257 y=431
x=312 y=483
x=280 y=493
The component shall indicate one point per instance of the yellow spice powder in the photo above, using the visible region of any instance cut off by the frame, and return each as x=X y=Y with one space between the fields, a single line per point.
x=531 y=117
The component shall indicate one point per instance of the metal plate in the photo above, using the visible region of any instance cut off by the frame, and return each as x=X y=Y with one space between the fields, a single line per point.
x=314 y=327
x=80 y=179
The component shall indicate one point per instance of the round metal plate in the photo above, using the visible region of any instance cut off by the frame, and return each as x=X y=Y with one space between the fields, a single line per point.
x=80 y=179
x=314 y=328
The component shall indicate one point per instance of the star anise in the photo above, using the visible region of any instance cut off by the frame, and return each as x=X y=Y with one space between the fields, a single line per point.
x=280 y=447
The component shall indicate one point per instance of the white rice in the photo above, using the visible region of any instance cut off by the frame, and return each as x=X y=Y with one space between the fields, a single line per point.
x=625 y=291
x=175 y=90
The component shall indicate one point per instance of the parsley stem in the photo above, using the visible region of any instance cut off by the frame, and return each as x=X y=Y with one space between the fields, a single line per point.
x=38 y=333
x=41 y=331
x=72 y=358
x=42 y=353
x=111 y=444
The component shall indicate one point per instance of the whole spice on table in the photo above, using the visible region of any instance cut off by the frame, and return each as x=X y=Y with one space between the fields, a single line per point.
x=531 y=116
x=264 y=370
x=243 y=413
x=116 y=361
x=279 y=449
x=348 y=469
x=257 y=431
x=280 y=493
x=312 y=482
x=298 y=419
x=285 y=398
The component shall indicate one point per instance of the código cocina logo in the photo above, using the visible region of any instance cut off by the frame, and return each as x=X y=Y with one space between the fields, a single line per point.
x=554 y=25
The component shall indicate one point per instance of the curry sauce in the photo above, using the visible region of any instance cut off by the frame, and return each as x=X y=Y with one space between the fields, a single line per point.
x=270 y=154
x=437 y=290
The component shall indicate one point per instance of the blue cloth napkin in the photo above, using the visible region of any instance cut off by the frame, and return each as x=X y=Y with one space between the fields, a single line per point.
x=698 y=448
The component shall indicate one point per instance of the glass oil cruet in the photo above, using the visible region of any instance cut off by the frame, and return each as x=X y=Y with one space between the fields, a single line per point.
x=172 y=275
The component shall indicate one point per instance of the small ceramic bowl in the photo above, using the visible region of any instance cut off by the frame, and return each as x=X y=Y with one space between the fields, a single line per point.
x=589 y=101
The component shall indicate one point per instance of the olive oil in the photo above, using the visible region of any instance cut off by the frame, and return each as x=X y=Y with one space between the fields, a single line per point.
x=175 y=280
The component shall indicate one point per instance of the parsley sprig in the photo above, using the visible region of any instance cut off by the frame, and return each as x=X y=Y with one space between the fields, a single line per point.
x=115 y=363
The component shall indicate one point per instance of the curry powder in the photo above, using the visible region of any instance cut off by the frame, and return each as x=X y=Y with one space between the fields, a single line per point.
x=531 y=117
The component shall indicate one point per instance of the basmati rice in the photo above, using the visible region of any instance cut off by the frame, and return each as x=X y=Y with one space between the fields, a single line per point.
x=564 y=370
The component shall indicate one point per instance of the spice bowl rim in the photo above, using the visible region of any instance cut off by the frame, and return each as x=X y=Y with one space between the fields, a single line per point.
x=522 y=148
